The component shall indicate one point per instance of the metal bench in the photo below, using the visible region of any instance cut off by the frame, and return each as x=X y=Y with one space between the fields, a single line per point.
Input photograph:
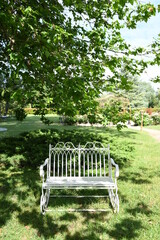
x=81 y=167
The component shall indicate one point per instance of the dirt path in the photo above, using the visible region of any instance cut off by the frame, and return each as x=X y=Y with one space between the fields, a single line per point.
x=154 y=133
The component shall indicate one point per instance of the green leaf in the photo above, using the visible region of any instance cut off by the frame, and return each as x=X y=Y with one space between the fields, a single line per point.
x=47 y=53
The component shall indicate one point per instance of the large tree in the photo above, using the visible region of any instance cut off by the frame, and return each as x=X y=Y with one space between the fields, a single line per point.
x=55 y=53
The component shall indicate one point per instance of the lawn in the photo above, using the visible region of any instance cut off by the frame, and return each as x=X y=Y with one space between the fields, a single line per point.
x=20 y=186
x=155 y=127
x=32 y=122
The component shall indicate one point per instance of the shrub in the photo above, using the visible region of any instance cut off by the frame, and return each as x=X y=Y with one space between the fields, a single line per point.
x=113 y=112
x=156 y=109
x=95 y=118
x=156 y=118
x=149 y=111
x=31 y=148
x=70 y=120
x=82 y=119
x=20 y=114
x=147 y=120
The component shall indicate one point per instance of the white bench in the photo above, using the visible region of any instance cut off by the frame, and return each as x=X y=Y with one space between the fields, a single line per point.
x=71 y=167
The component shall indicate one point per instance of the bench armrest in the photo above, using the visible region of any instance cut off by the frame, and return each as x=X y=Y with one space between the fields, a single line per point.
x=117 y=168
x=42 y=166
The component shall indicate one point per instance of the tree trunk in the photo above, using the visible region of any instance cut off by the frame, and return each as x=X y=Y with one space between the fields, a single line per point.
x=0 y=110
x=6 y=108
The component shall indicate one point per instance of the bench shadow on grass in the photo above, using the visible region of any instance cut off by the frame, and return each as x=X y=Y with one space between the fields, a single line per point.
x=20 y=184
x=85 y=225
x=53 y=223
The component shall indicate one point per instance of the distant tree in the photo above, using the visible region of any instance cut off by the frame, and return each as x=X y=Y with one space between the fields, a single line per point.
x=141 y=94
x=157 y=99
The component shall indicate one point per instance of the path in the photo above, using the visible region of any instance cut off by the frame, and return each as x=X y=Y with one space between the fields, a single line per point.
x=154 y=133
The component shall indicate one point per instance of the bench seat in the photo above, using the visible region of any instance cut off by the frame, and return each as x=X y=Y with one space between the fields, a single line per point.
x=79 y=182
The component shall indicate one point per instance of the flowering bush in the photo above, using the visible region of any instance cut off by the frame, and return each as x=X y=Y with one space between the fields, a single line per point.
x=156 y=118
x=137 y=118
x=113 y=112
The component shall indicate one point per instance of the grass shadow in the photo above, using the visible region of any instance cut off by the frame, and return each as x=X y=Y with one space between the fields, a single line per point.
x=126 y=229
x=136 y=178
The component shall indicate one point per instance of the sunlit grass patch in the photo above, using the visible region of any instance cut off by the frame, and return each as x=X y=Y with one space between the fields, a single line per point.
x=154 y=127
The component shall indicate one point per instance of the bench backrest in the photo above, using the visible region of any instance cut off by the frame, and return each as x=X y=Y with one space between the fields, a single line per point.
x=66 y=160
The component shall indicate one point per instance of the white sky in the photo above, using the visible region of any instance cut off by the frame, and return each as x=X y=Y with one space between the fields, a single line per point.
x=144 y=35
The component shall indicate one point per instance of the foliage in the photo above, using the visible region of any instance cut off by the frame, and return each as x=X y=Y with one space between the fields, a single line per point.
x=95 y=118
x=141 y=94
x=33 y=110
x=82 y=119
x=156 y=118
x=116 y=96
x=90 y=118
x=156 y=52
x=149 y=111
x=33 y=146
x=70 y=120
x=30 y=110
x=54 y=54
x=20 y=114
x=156 y=109
x=157 y=99
x=114 y=112
x=137 y=118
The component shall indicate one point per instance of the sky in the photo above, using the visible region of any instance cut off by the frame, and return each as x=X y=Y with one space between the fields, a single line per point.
x=142 y=36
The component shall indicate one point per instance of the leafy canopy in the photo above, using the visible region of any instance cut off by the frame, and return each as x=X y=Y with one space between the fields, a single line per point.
x=55 y=53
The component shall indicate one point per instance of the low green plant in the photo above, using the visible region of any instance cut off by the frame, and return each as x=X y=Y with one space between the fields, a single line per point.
x=32 y=148
x=20 y=114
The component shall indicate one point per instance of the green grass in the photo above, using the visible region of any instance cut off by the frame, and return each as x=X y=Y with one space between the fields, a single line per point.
x=20 y=187
x=31 y=123
x=155 y=127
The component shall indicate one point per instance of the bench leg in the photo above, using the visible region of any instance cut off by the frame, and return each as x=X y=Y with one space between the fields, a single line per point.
x=113 y=195
x=44 y=200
